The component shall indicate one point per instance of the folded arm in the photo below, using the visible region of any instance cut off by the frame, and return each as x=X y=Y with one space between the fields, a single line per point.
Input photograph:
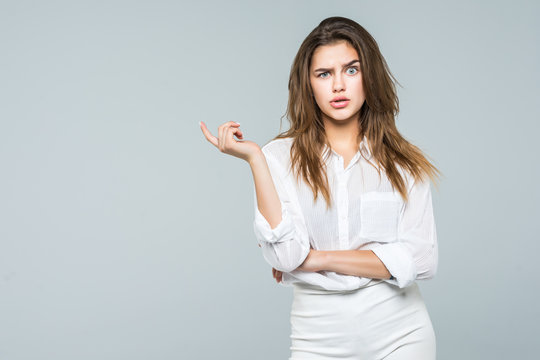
x=414 y=254
x=363 y=263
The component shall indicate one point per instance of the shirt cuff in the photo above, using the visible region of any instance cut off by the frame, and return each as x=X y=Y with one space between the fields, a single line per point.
x=399 y=263
x=283 y=232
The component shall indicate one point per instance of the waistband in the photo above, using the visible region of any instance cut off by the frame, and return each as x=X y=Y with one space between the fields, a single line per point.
x=316 y=289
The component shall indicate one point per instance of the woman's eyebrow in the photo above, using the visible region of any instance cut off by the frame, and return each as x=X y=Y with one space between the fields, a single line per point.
x=344 y=65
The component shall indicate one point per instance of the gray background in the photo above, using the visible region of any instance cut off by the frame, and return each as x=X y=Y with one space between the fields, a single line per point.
x=126 y=235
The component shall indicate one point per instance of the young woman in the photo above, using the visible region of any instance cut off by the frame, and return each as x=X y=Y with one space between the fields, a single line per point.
x=343 y=208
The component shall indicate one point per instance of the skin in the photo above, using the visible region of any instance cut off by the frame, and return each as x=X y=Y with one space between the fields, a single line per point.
x=341 y=127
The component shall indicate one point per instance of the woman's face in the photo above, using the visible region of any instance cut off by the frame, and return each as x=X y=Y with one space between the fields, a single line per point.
x=335 y=72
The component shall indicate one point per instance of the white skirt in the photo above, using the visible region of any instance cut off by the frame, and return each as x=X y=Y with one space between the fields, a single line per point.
x=380 y=321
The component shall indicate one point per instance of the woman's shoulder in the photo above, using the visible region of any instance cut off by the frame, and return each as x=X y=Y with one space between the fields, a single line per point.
x=411 y=180
x=278 y=148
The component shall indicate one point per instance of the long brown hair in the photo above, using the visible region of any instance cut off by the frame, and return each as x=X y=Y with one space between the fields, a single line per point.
x=376 y=117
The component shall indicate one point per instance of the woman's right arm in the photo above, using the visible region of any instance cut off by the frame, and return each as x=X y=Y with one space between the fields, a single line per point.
x=268 y=202
x=277 y=224
x=285 y=245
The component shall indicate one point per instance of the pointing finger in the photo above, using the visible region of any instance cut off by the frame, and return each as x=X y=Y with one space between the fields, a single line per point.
x=211 y=138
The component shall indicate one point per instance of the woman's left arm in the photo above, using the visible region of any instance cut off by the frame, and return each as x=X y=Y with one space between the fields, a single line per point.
x=362 y=263
x=413 y=256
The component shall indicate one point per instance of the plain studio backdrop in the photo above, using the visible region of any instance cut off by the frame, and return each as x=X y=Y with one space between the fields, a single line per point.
x=124 y=234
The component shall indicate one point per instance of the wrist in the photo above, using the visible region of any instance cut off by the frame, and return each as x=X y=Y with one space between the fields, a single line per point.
x=321 y=257
x=256 y=158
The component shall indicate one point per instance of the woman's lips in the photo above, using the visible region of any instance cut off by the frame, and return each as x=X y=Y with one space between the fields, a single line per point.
x=339 y=104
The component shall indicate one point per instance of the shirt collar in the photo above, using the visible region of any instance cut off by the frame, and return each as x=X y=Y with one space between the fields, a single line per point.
x=363 y=147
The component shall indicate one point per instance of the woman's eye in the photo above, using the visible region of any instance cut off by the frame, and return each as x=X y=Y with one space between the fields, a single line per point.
x=355 y=69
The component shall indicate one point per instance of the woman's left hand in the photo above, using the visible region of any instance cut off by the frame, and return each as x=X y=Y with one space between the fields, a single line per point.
x=278 y=275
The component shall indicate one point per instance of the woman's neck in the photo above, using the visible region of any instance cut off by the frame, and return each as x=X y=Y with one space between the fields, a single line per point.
x=342 y=135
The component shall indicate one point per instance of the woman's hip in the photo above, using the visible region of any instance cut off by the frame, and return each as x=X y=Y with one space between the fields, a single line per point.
x=372 y=322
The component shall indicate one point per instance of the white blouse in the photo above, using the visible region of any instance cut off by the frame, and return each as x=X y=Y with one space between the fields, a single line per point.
x=366 y=214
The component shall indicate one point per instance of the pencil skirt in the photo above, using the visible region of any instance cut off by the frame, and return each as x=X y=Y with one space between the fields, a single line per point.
x=380 y=321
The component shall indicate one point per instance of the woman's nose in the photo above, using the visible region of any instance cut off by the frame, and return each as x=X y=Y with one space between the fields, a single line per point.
x=338 y=83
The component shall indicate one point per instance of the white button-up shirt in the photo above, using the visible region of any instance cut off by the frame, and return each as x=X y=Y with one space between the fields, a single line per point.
x=366 y=214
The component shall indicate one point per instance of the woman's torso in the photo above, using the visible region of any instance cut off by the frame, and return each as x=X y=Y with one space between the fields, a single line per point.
x=364 y=213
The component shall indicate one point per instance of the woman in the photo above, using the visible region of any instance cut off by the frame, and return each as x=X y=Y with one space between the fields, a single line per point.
x=343 y=209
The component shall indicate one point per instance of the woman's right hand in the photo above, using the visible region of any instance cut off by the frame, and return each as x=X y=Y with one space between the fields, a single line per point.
x=226 y=143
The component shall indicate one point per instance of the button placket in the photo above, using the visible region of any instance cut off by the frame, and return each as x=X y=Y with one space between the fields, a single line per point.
x=342 y=204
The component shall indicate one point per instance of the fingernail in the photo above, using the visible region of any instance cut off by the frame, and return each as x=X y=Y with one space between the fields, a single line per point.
x=237 y=123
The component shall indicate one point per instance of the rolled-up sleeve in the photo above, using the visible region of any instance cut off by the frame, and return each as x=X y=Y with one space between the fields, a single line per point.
x=287 y=245
x=415 y=253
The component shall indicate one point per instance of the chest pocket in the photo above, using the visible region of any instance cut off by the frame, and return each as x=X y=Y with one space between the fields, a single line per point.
x=379 y=214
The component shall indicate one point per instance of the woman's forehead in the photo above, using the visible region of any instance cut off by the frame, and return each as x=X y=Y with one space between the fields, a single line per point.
x=334 y=54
